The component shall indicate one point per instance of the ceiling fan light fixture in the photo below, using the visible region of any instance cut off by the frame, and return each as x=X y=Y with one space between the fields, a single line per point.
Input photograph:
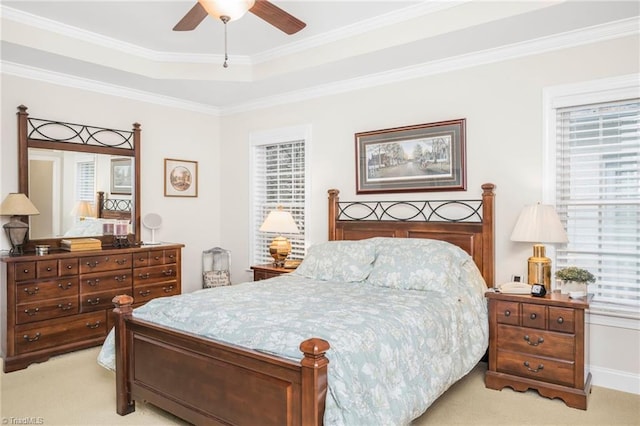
x=233 y=9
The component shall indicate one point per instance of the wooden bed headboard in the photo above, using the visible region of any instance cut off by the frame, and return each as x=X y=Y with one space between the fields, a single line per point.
x=468 y=224
x=112 y=208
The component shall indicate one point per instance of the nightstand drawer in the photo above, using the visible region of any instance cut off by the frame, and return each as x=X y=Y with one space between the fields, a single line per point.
x=534 y=316
x=508 y=312
x=538 y=368
x=562 y=319
x=536 y=342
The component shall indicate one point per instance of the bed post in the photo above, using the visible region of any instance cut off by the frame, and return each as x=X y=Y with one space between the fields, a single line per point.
x=99 y=203
x=314 y=381
x=122 y=311
x=488 y=255
x=333 y=212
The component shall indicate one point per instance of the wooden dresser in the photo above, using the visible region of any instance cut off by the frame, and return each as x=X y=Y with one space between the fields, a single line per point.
x=539 y=343
x=62 y=301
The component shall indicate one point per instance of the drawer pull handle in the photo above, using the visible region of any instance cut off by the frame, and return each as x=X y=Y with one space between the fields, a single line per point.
x=507 y=313
x=540 y=367
x=120 y=278
x=93 y=283
x=69 y=266
x=540 y=340
x=121 y=261
x=142 y=259
x=93 y=326
x=48 y=268
x=560 y=320
x=93 y=264
x=533 y=316
x=156 y=257
x=168 y=289
x=31 y=312
x=26 y=271
x=31 y=292
x=171 y=256
x=144 y=293
x=65 y=307
x=168 y=273
x=93 y=301
x=64 y=287
x=144 y=276
x=31 y=339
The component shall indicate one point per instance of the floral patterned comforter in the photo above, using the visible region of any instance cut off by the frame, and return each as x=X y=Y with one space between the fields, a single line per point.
x=393 y=350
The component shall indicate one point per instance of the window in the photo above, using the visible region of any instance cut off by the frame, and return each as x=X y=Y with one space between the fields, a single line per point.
x=279 y=167
x=595 y=155
x=85 y=181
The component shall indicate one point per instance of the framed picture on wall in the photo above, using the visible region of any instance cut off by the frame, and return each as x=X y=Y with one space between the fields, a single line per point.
x=180 y=178
x=423 y=157
x=121 y=169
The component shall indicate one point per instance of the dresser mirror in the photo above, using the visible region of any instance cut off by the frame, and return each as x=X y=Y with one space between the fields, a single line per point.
x=83 y=180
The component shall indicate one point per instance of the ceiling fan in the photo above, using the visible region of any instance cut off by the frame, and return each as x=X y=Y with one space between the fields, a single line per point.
x=230 y=10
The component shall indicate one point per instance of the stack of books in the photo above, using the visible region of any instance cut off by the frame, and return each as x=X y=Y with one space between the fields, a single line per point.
x=81 y=244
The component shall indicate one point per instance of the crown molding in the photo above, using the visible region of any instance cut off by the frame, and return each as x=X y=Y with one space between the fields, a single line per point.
x=598 y=33
x=47 y=76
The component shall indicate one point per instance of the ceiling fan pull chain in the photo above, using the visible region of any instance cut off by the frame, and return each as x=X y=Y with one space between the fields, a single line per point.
x=225 y=19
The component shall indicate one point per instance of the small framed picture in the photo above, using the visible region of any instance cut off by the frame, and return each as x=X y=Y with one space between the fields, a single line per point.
x=180 y=178
x=121 y=176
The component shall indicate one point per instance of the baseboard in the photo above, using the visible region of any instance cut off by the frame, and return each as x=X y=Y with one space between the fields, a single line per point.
x=615 y=379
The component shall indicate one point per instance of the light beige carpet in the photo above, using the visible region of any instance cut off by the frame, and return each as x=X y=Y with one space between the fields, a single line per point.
x=73 y=390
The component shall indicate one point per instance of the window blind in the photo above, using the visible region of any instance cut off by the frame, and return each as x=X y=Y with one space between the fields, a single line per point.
x=278 y=180
x=85 y=181
x=598 y=198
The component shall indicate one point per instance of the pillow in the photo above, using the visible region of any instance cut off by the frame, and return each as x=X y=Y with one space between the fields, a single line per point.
x=416 y=264
x=346 y=261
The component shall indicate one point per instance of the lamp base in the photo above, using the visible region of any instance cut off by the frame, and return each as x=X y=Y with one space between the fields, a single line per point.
x=539 y=268
x=279 y=249
x=17 y=232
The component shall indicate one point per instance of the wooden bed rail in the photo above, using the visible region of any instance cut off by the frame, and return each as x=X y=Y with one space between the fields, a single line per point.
x=239 y=386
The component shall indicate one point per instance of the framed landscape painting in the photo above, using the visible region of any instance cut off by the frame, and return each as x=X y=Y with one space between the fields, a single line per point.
x=423 y=157
x=121 y=176
x=180 y=178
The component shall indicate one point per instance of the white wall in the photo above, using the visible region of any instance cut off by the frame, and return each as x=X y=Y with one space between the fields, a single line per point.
x=502 y=103
x=166 y=133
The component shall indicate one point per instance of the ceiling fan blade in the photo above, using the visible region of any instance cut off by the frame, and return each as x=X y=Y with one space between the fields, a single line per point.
x=277 y=17
x=192 y=19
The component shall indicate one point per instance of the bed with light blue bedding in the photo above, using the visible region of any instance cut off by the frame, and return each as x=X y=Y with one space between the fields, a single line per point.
x=405 y=319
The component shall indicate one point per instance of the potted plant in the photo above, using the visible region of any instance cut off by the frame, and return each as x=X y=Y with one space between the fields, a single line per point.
x=574 y=280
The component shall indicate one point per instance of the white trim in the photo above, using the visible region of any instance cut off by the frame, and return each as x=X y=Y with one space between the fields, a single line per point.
x=615 y=379
x=47 y=76
x=609 y=319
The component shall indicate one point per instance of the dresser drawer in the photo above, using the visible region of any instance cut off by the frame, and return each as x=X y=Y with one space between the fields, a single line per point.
x=101 y=281
x=163 y=257
x=105 y=263
x=25 y=271
x=101 y=300
x=42 y=290
x=145 y=293
x=47 y=268
x=154 y=274
x=536 y=342
x=526 y=365
x=32 y=337
x=562 y=319
x=46 y=309
x=534 y=316
x=68 y=267
x=507 y=312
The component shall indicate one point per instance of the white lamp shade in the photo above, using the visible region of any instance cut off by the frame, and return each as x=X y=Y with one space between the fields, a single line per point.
x=17 y=204
x=82 y=209
x=279 y=222
x=234 y=9
x=539 y=223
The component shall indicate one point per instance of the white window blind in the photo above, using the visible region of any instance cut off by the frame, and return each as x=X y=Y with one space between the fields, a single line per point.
x=598 y=197
x=279 y=179
x=85 y=181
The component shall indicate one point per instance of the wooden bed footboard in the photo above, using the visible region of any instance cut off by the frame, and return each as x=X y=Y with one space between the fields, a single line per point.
x=207 y=382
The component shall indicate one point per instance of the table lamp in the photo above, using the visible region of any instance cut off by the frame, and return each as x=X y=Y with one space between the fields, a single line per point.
x=539 y=223
x=82 y=209
x=16 y=205
x=279 y=222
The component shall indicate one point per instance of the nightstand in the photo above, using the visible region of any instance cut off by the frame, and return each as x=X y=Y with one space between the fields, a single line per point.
x=262 y=272
x=539 y=343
